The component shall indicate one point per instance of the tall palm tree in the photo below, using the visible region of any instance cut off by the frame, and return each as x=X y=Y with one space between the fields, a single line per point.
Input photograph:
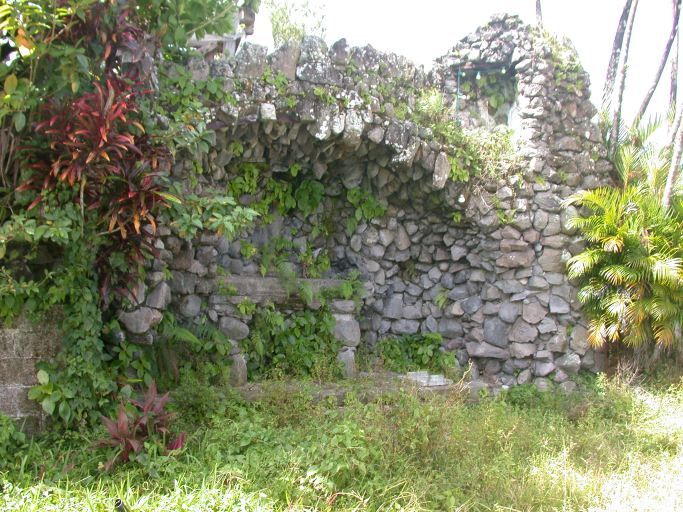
x=621 y=78
x=615 y=56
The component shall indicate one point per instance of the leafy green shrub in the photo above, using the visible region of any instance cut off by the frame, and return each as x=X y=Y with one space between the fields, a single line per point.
x=630 y=276
x=295 y=345
x=11 y=440
x=415 y=351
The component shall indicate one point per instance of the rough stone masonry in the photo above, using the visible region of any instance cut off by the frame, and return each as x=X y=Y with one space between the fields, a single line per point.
x=490 y=279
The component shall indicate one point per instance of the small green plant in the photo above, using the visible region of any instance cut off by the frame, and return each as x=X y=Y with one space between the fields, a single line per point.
x=246 y=307
x=11 y=440
x=324 y=95
x=441 y=299
x=366 y=206
x=248 y=250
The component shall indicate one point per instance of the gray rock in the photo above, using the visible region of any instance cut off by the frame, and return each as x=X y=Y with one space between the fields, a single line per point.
x=233 y=328
x=450 y=327
x=579 y=339
x=542 y=369
x=516 y=259
x=551 y=260
x=509 y=312
x=471 y=305
x=160 y=297
x=496 y=332
x=558 y=343
x=485 y=350
x=570 y=363
x=524 y=377
x=386 y=237
x=548 y=202
x=522 y=350
x=405 y=326
x=182 y=282
x=458 y=252
x=347 y=330
x=347 y=360
x=190 y=305
x=533 y=312
x=141 y=320
x=393 y=308
x=442 y=169
x=402 y=240
x=558 y=305
x=284 y=59
x=238 y=370
x=251 y=61
x=343 y=306
x=547 y=325
x=522 y=332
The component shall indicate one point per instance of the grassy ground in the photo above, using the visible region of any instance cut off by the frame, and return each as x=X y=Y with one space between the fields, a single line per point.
x=613 y=447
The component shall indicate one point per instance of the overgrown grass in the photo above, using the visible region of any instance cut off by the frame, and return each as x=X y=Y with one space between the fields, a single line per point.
x=612 y=447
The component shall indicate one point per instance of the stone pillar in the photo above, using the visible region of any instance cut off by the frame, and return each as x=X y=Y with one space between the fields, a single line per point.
x=347 y=331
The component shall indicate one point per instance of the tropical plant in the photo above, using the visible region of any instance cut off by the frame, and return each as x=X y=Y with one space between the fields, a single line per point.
x=631 y=275
x=130 y=432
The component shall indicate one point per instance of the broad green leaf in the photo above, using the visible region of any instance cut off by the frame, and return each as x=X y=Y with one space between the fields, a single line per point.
x=43 y=377
x=11 y=83
x=48 y=405
x=19 y=121
x=65 y=411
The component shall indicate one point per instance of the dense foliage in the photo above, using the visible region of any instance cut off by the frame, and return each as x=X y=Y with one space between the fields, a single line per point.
x=631 y=273
x=84 y=161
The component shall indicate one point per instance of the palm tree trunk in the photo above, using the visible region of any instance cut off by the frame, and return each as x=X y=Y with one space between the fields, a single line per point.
x=674 y=81
x=616 y=53
x=539 y=13
x=674 y=169
x=662 y=64
x=621 y=80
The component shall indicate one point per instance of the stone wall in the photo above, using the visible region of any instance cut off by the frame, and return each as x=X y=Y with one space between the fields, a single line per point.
x=22 y=345
x=491 y=279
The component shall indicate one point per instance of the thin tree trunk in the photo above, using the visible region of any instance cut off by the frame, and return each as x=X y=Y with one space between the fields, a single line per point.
x=621 y=80
x=539 y=13
x=673 y=129
x=662 y=64
x=616 y=53
x=672 y=176
x=673 y=90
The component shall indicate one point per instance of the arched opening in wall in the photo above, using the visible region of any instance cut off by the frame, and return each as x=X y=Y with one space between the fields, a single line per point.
x=485 y=94
x=362 y=205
